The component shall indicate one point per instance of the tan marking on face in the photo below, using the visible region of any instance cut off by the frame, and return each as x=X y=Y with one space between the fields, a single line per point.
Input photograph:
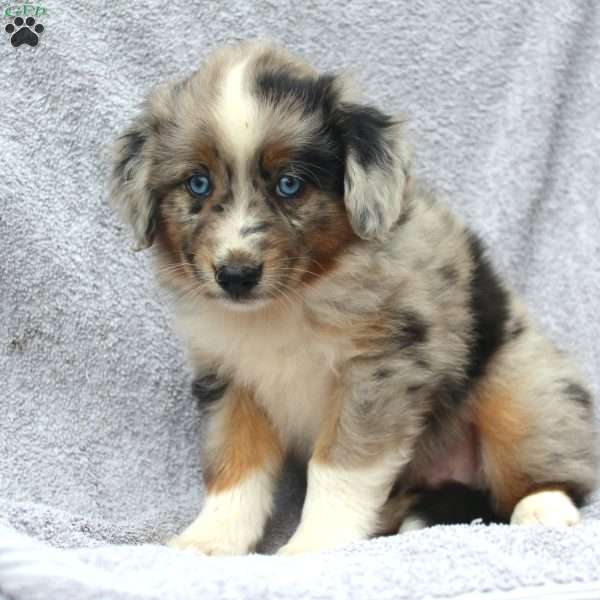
x=502 y=425
x=275 y=156
x=173 y=270
x=249 y=443
x=327 y=239
x=208 y=156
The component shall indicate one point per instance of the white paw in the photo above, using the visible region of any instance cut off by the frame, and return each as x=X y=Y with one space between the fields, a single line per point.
x=299 y=546
x=412 y=523
x=307 y=540
x=208 y=545
x=549 y=508
x=231 y=521
x=294 y=549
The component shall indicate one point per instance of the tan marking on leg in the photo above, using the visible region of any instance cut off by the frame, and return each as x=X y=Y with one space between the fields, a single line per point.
x=502 y=426
x=249 y=443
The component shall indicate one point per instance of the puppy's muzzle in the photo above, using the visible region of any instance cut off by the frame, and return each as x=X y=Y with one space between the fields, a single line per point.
x=238 y=280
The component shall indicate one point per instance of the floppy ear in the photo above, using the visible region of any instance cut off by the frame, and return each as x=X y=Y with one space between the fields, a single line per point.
x=130 y=191
x=376 y=170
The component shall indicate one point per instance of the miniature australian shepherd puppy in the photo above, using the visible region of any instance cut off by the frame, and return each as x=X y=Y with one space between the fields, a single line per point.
x=334 y=309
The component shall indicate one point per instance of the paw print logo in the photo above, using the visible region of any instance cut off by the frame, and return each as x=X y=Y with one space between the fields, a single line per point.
x=24 y=31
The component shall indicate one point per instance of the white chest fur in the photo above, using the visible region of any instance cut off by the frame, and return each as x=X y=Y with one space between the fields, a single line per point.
x=287 y=361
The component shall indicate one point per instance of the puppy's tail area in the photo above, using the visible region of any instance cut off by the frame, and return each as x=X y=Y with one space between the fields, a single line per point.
x=451 y=504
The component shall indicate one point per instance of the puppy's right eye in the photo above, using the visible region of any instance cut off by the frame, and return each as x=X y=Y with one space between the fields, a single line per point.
x=199 y=186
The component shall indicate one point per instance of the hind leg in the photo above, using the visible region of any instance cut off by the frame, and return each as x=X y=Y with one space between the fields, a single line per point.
x=537 y=443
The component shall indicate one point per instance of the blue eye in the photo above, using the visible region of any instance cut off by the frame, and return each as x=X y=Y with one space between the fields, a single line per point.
x=289 y=186
x=199 y=186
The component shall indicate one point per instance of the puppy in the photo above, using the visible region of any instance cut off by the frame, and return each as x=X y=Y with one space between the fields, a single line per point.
x=334 y=309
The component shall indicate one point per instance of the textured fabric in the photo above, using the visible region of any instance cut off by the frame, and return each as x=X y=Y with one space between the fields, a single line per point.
x=99 y=434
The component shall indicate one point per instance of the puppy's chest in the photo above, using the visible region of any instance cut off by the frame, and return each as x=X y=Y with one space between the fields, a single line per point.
x=294 y=386
x=288 y=363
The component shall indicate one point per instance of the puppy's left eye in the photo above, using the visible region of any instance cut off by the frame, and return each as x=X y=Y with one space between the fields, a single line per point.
x=289 y=186
x=199 y=185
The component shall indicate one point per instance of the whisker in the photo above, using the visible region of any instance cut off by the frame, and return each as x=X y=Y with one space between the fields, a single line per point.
x=293 y=258
x=173 y=268
x=299 y=270
x=281 y=292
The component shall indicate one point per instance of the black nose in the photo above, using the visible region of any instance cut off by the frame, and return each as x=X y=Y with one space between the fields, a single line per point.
x=238 y=280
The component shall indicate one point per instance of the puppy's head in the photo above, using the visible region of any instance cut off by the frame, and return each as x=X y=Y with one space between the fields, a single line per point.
x=252 y=176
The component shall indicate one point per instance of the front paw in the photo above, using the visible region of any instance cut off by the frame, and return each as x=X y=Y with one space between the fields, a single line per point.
x=207 y=544
x=301 y=543
x=218 y=536
x=293 y=549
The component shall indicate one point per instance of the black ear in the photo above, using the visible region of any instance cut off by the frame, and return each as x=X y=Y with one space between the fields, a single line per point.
x=130 y=191
x=376 y=170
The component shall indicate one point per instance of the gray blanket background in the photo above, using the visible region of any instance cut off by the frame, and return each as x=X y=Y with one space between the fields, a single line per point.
x=99 y=435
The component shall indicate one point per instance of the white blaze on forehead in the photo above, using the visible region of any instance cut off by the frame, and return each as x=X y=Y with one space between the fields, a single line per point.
x=229 y=235
x=237 y=113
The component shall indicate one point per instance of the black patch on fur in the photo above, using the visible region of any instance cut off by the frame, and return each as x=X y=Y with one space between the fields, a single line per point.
x=152 y=217
x=382 y=374
x=578 y=494
x=134 y=142
x=258 y=228
x=405 y=332
x=208 y=388
x=405 y=216
x=319 y=162
x=196 y=205
x=422 y=363
x=229 y=172
x=449 y=274
x=363 y=129
x=454 y=503
x=489 y=308
x=516 y=329
x=412 y=329
x=576 y=393
x=446 y=398
x=311 y=94
x=412 y=389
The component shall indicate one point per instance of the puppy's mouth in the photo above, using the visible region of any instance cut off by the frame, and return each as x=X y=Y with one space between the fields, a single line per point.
x=244 y=304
